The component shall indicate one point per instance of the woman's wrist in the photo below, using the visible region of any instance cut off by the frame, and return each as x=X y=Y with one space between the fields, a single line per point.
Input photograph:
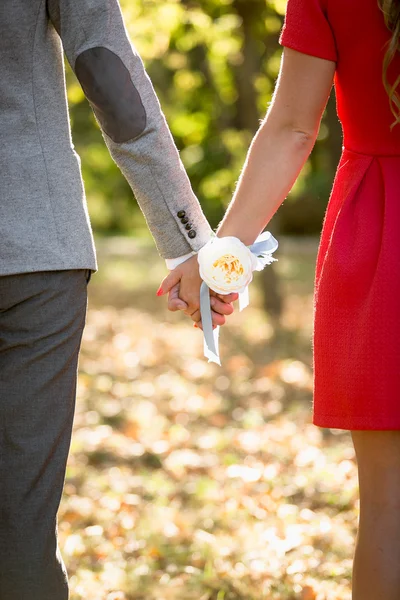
x=246 y=237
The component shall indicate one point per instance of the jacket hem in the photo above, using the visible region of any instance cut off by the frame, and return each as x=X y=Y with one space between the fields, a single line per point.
x=19 y=268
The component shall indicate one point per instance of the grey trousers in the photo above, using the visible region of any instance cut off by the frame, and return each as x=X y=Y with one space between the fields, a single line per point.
x=42 y=316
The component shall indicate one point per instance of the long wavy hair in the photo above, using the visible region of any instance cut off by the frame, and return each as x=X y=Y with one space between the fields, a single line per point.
x=391 y=13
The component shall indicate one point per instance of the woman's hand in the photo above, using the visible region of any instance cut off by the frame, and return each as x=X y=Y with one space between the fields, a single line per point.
x=183 y=288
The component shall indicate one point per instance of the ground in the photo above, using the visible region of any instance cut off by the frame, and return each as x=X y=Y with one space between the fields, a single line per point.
x=191 y=481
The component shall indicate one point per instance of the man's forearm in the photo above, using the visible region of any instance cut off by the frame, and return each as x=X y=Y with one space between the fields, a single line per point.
x=121 y=94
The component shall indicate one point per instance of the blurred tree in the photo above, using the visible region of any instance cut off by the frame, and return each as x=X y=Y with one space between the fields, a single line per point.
x=247 y=118
x=213 y=64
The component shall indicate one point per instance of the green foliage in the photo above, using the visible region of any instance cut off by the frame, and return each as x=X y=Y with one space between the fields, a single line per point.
x=213 y=64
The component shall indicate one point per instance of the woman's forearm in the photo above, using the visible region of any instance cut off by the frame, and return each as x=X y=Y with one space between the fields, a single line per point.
x=275 y=159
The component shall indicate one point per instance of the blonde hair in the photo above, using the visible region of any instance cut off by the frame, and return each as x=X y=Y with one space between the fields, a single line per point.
x=391 y=13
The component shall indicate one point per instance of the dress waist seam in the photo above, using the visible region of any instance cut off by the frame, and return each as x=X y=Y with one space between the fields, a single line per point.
x=370 y=154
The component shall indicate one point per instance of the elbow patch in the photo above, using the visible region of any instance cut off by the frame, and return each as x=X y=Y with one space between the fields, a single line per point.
x=115 y=100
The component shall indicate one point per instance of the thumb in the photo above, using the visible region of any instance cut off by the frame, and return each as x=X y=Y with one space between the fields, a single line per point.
x=169 y=281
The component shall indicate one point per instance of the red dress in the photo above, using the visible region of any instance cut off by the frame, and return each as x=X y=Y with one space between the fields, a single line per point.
x=356 y=337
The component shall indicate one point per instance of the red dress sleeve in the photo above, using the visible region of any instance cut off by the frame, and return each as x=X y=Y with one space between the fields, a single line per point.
x=307 y=29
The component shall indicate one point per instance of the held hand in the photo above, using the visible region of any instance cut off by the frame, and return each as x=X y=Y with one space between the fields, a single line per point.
x=183 y=286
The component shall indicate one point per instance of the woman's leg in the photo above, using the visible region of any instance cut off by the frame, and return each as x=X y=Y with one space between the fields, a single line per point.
x=376 y=569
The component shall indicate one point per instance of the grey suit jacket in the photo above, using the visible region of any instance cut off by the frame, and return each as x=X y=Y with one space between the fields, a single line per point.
x=44 y=223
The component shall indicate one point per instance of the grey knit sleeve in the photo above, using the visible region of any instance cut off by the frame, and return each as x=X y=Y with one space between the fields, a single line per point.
x=133 y=125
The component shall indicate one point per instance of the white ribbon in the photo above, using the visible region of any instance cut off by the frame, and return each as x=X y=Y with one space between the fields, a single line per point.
x=262 y=249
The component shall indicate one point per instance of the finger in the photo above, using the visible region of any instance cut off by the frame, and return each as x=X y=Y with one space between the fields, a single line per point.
x=217 y=318
x=199 y=325
x=221 y=307
x=169 y=281
x=192 y=306
x=196 y=316
x=228 y=298
x=174 y=302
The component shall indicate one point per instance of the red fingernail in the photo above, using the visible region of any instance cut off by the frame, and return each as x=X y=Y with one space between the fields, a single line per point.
x=160 y=291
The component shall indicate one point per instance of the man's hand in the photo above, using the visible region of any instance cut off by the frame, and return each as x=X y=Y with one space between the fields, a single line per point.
x=183 y=285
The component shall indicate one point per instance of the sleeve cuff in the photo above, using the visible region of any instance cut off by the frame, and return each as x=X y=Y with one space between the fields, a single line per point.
x=172 y=263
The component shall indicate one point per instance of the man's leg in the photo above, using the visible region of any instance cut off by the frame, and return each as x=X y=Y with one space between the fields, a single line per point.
x=42 y=316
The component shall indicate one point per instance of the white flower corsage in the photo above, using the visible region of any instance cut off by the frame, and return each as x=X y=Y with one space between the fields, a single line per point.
x=226 y=266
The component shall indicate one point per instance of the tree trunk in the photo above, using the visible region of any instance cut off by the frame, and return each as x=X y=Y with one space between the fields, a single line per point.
x=251 y=11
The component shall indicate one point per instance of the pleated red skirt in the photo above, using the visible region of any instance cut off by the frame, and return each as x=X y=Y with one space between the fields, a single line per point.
x=356 y=339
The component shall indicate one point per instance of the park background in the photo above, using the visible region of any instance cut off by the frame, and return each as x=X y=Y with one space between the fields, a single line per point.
x=187 y=480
